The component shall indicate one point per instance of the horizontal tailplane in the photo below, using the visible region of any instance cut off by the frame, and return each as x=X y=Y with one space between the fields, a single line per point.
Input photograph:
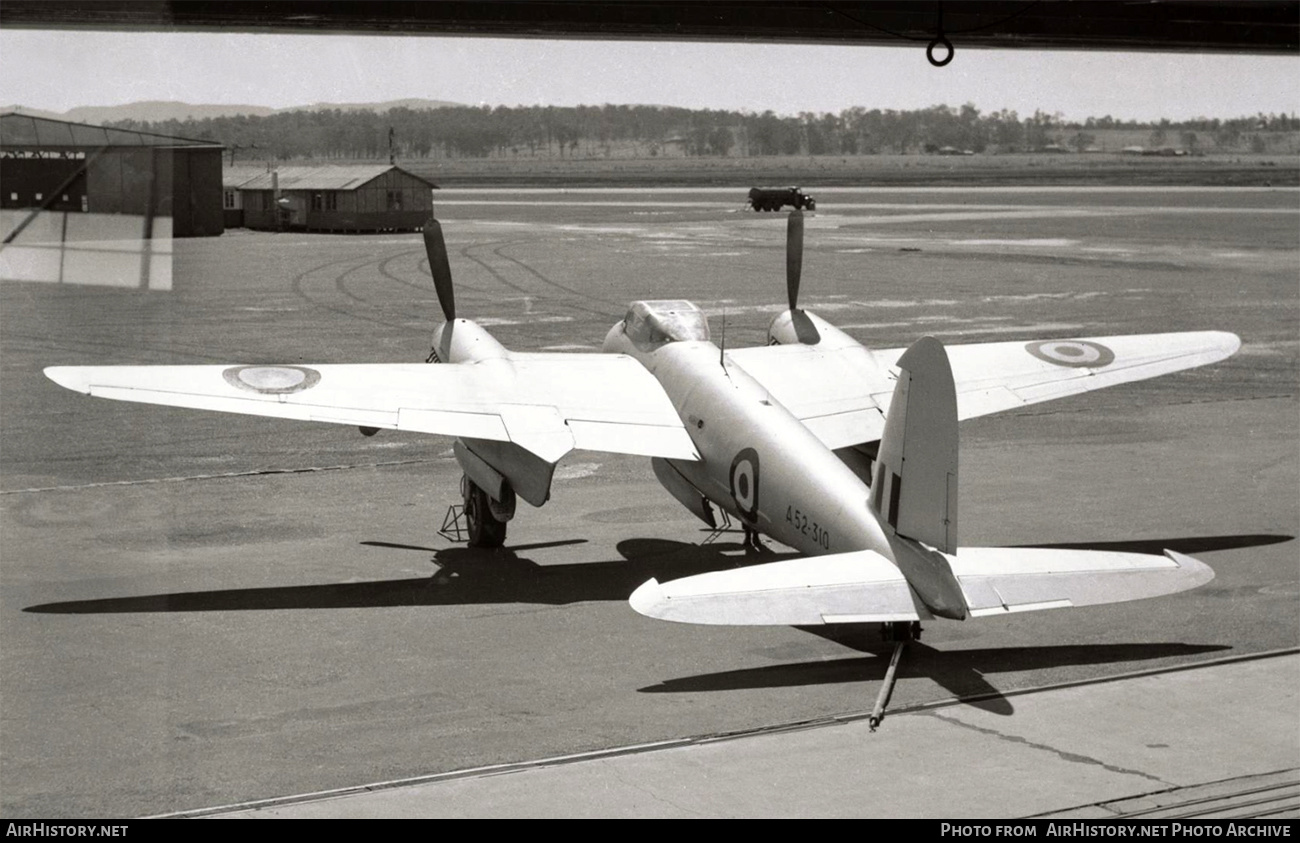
x=859 y=587
x=864 y=587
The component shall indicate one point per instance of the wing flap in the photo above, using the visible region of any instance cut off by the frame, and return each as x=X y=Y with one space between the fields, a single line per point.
x=671 y=442
x=851 y=426
x=829 y=390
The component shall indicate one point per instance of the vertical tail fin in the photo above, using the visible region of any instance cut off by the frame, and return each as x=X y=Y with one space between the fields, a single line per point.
x=915 y=488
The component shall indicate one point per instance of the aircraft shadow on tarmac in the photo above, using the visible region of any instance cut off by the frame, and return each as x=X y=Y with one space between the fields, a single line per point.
x=960 y=672
x=462 y=576
x=1184 y=544
x=467 y=576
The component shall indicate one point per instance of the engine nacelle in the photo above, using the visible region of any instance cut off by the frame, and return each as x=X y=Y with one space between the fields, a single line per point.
x=616 y=341
x=503 y=468
x=802 y=327
x=685 y=493
x=462 y=341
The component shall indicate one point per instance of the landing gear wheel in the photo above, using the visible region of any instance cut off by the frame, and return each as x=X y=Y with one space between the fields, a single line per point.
x=900 y=631
x=484 y=529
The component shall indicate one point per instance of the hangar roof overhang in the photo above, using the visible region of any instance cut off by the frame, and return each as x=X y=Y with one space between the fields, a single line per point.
x=25 y=131
x=1243 y=26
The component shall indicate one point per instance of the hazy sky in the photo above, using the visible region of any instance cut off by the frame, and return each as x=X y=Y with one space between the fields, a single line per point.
x=56 y=71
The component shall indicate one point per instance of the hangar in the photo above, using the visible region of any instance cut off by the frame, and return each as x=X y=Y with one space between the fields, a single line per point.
x=382 y=197
x=57 y=166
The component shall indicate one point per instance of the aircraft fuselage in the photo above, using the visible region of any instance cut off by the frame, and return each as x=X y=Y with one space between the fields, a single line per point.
x=759 y=462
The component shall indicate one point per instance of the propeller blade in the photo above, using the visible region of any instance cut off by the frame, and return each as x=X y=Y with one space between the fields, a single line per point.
x=793 y=256
x=436 y=248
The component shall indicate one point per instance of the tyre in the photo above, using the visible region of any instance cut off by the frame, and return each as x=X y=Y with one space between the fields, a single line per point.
x=484 y=529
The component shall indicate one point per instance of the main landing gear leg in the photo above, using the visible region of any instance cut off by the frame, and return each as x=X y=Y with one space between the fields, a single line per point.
x=752 y=540
x=900 y=634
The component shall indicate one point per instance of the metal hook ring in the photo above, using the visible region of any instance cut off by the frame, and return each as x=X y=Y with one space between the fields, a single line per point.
x=947 y=45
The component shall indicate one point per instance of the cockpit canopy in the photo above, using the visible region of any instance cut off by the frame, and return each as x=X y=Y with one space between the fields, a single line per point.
x=651 y=323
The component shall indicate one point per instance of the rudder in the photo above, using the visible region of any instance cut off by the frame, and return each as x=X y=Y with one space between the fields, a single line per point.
x=914 y=491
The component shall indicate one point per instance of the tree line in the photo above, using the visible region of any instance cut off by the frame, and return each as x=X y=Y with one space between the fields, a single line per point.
x=647 y=131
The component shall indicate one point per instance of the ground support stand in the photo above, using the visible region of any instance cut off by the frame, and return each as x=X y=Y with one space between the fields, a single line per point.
x=453 y=527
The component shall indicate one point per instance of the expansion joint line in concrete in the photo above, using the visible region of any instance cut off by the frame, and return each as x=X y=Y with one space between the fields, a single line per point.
x=1072 y=757
x=614 y=752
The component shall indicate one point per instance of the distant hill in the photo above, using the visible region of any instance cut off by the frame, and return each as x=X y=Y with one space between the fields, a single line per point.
x=413 y=103
x=160 y=111
x=31 y=112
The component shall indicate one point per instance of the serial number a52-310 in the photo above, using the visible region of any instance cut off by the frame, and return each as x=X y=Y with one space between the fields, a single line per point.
x=799 y=520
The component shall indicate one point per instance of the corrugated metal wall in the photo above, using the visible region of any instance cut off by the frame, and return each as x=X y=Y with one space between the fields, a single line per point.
x=184 y=184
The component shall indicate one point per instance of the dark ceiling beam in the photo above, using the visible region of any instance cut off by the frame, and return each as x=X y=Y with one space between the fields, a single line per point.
x=1238 y=26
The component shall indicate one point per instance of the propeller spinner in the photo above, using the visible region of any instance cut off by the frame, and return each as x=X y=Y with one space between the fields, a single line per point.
x=436 y=248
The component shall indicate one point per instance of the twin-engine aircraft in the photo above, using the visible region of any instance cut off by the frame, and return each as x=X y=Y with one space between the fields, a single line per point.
x=846 y=454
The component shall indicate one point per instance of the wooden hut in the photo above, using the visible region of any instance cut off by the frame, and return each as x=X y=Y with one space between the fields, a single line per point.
x=381 y=197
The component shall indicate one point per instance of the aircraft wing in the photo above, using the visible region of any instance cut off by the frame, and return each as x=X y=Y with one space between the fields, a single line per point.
x=842 y=394
x=547 y=403
x=865 y=587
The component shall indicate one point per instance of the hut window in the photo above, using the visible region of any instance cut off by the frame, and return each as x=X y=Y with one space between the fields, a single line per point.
x=331 y=201
x=230 y=199
x=317 y=202
x=394 y=200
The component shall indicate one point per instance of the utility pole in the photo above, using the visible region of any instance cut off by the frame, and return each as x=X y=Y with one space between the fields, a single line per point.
x=275 y=200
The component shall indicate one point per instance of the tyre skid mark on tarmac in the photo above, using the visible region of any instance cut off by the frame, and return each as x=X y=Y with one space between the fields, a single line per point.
x=340 y=284
x=499 y=252
x=297 y=287
x=419 y=264
x=259 y=472
x=755 y=262
x=496 y=248
x=169 y=352
x=422 y=269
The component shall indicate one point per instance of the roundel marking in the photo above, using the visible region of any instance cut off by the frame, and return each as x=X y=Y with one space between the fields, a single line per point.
x=744 y=483
x=272 y=380
x=1077 y=354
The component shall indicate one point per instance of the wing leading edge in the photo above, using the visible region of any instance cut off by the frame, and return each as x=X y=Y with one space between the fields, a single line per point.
x=547 y=403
